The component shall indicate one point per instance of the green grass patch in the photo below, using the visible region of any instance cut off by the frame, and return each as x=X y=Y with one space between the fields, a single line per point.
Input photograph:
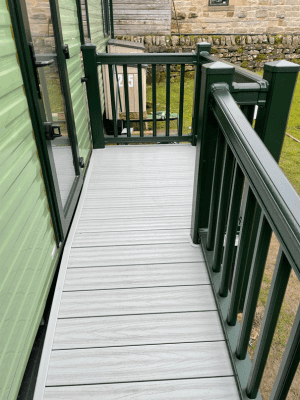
x=290 y=156
x=174 y=101
x=54 y=92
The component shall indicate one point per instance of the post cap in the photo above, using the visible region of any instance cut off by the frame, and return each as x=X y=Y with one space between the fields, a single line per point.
x=203 y=46
x=281 y=66
x=218 y=68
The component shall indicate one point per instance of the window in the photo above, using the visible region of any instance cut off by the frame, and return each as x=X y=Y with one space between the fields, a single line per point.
x=218 y=2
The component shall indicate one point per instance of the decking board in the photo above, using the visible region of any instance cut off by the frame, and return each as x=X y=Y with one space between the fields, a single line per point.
x=136 y=301
x=137 y=330
x=133 y=255
x=138 y=363
x=162 y=236
x=138 y=224
x=148 y=201
x=184 y=389
x=135 y=316
x=138 y=211
x=139 y=192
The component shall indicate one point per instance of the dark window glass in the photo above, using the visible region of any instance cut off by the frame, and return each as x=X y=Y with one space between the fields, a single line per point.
x=218 y=2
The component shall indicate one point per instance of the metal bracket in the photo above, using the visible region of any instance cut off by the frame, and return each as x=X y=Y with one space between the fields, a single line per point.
x=50 y=131
x=254 y=93
x=66 y=52
x=84 y=79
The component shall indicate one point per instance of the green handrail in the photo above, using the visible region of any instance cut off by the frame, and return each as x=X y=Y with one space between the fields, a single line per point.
x=267 y=197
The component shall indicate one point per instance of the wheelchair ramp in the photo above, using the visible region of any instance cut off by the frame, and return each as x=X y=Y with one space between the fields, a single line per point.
x=134 y=315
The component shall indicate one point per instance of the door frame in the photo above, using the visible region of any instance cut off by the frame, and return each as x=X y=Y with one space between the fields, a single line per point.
x=61 y=217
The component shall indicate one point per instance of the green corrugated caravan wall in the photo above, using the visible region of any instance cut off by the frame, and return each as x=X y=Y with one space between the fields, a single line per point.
x=26 y=234
x=97 y=36
x=71 y=36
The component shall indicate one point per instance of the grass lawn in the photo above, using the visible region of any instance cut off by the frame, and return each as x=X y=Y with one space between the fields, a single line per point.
x=174 y=102
x=290 y=156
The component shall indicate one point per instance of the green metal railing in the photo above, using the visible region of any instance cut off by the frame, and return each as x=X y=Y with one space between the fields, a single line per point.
x=92 y=60
x=236 y=175
x=248 y=89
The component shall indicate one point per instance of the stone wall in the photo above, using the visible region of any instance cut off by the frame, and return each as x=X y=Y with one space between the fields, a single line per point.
x=238 y=17
x=249 y=51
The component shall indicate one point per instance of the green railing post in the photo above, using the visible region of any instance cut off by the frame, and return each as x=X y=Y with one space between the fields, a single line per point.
x=200 y=47
x=270 y=125
x=93 y=94
x=272 y=120
x=207 y=128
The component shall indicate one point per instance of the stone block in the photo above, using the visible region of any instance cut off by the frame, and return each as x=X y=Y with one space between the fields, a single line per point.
x=296 y=41
x=261 y=13
x=271 y=39
x=249 y=39
x=252 y=52
x=162 y=41
x=40 y=16
x=193 y=15
x=228 y=40
x=49 y=41
x=175 y=40
x=242 y=15
x=181 y=15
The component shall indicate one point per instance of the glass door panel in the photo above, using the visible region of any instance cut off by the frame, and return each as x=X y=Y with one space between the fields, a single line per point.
x=52 y=97
x=55 y=113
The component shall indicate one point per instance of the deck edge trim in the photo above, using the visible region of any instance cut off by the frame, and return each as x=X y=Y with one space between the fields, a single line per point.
x=46 y=354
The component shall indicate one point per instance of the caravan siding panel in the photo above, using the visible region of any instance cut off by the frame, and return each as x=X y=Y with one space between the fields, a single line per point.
x=26 y=234
x=71 y=36
x=97 y=36
x=141 y=17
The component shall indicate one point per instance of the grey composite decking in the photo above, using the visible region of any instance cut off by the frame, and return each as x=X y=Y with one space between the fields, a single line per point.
x=134 y=315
